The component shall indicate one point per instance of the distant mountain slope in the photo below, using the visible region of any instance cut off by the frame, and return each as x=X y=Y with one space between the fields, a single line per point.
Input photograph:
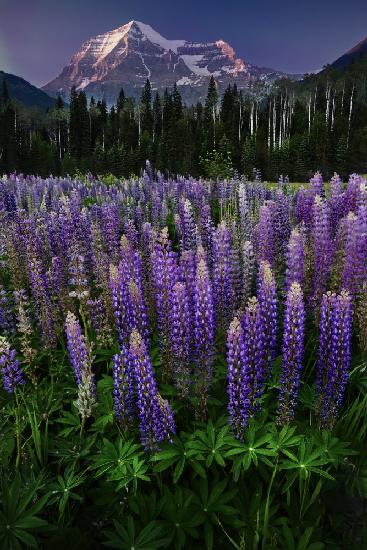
x=24 y=92
x=355 y=54
x=130 y=54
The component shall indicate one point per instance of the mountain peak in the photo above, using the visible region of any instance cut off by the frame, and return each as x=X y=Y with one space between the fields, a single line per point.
x=130 y=54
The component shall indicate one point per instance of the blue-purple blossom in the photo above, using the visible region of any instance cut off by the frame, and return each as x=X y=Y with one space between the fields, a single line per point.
x=292 y=354
x=155 y=415
x=11 y=372
x=334 y=355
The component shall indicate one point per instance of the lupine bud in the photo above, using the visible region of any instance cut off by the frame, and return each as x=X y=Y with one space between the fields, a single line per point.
x=123 y=387
x=236 y=366
x=79 y=355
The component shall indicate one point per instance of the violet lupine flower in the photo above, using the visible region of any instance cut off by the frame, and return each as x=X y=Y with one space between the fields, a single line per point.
x=206 y=230
x=336 y=202
x=188 y=268
x=238 y=410
x=223 y=275
x=204 y=332
x=317 y=184
x=127 y=294
x=354 y=255
x=165 y=274
x=79 y=355
x=248 y=261
x=155 y=415
x=41 y=290
x=265 y=235
x=244 y=213
x=180 y=335
x=281 y=225
x=187 y=226
x=266 y=293
x=321 y=247
x=292 y=354
x=12 y=374
x=7 y=323
x=295 y=271
x=334 y=355
x=123 y=387
x=255 y=364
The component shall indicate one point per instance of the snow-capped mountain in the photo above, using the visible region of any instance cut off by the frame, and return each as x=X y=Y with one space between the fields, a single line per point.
x=127 y=56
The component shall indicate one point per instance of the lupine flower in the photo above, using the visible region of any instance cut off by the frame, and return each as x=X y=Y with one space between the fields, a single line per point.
x=255 y=363
x=281 y=225
x=334 y=354
x=248 y=259
x=123 y=387
x=187 y=226
x=180 y=336
x=266 y=293
x=11 y=372
x=223 y=283
x=155 y=415
x=86 y=400
x=354 y=255
x=265 y=235
x=292 y=353
x=204 y=332
x=165 y=274
x=321 y=247
x=237 y=409
x=79 y=355
x=295 y=271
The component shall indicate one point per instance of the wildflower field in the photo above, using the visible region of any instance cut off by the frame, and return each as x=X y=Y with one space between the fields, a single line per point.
x=183 y=363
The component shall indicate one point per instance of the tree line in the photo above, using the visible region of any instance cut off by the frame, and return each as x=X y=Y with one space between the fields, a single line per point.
x=317 y=124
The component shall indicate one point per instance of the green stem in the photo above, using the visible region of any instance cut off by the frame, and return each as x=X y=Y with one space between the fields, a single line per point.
x=267 y=504
x=17 y=429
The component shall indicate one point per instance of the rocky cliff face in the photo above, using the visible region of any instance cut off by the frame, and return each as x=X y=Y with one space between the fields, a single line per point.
x=127 y=56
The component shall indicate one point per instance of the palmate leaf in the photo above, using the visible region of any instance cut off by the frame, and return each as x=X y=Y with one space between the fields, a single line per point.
x=178 y=455
x=253 y=450
x=308 y=460
x=113 y=456
x=212 y=444
x=126 y=536
x=18 y=515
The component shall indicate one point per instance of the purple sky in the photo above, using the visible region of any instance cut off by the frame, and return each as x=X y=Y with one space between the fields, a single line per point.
x=38 y=37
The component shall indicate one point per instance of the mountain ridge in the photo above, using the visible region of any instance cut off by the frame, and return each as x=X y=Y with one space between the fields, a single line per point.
x=26 y=93
x=131 y=53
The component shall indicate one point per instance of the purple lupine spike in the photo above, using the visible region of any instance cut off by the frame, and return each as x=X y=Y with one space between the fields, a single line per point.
x=244 y=213
x=265 y=235
x=238 y=411
x=12 y=374
x=41 y=290
x=317 y=184
x=334 y=355
x=188 y=268
x=79 y=355
x=204 y=332
x=321 y=248
x=206 y=229
x=295 y=271
x=292 y=354
x=354 y=255
x=123 y=387
x=180 y=336
x=155 y=415
x=110 y=222
x=7 y=324
x=248 y=261
x=187 y=226
x=165 y=274
x=281 y=225
x=255 y=364
x=223 y=275
x=336 y=202
x=266 y=293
